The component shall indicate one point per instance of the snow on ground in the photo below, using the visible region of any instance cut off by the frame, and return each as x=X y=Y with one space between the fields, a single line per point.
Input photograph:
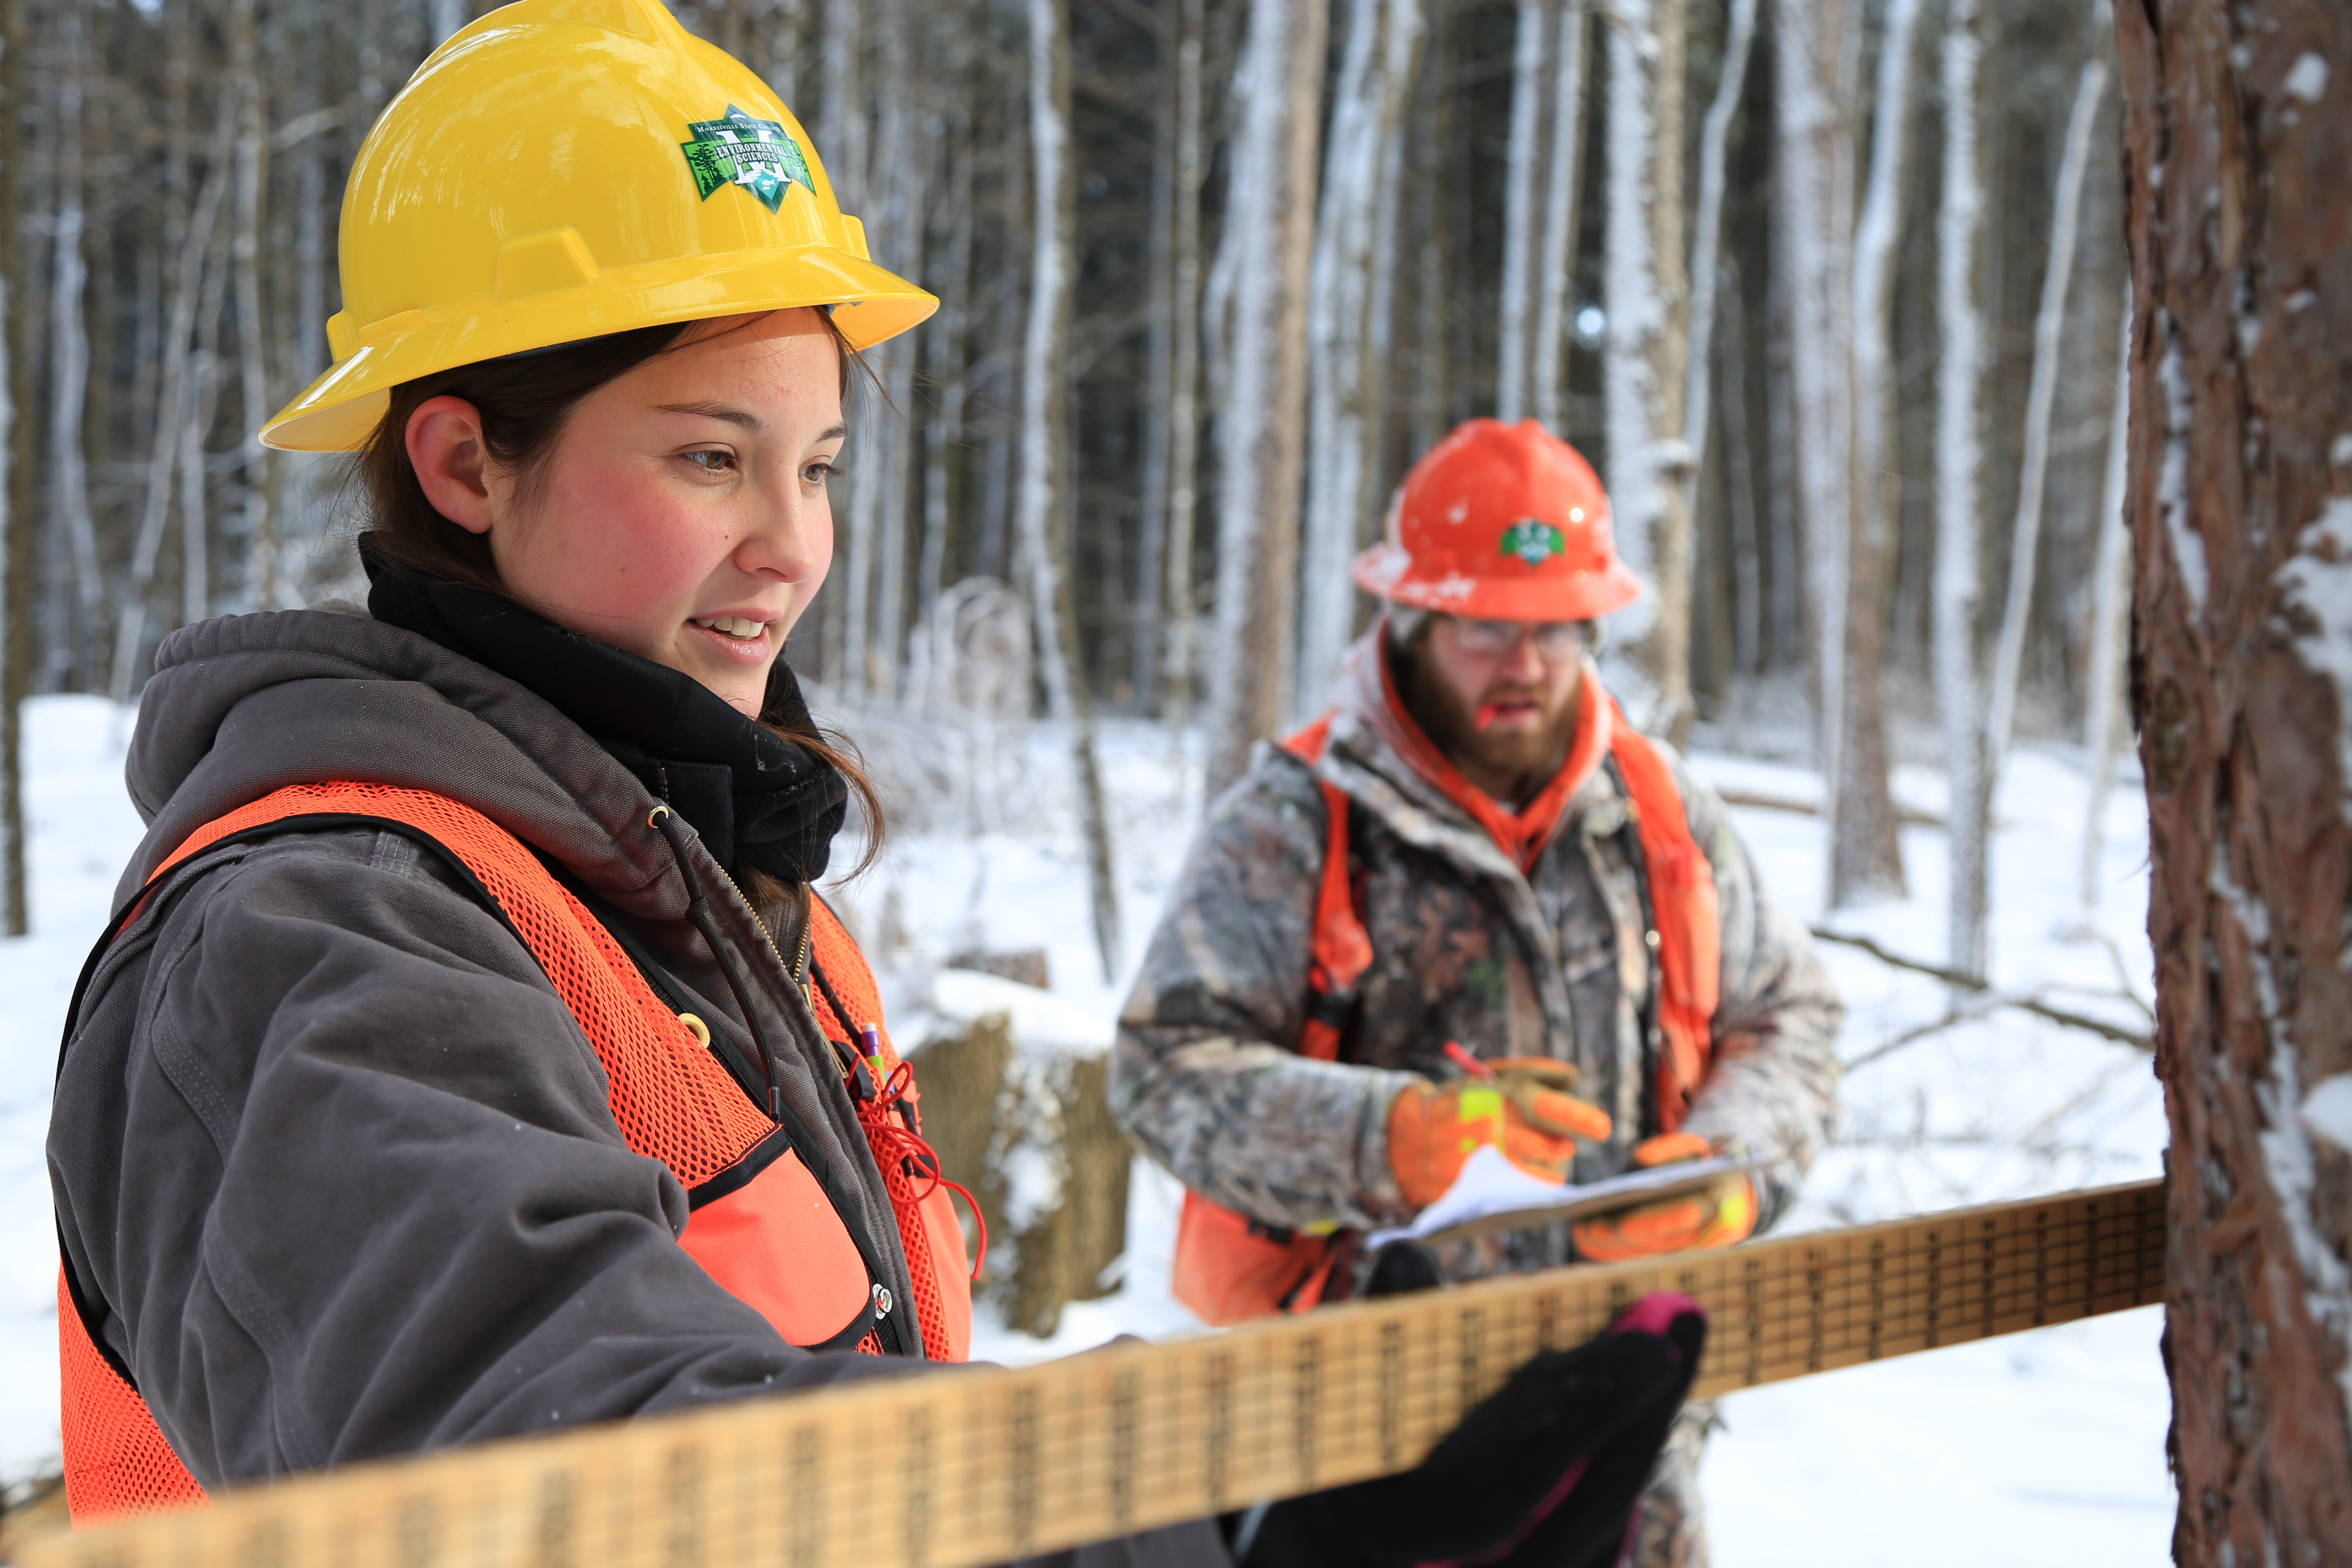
x=2038 y=1449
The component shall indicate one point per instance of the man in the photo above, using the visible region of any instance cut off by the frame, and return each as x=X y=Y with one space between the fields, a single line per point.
x=1471 y=907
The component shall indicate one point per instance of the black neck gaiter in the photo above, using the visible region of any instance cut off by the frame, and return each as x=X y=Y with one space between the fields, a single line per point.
x=755 y=797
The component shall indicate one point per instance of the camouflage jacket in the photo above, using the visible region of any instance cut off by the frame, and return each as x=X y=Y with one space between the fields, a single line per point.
x=1552 y=962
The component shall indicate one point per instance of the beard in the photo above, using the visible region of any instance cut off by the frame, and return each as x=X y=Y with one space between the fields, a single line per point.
x=1524 y=757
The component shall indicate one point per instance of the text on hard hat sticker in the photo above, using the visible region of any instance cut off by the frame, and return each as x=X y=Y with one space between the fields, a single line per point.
x=736 y=149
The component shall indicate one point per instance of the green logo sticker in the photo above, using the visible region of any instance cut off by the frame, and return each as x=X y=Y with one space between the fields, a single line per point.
x=758 y=154
x=1532 y=542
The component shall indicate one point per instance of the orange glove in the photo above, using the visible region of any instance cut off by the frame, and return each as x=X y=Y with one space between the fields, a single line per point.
x=1715 y=1215
x=1523 y=1110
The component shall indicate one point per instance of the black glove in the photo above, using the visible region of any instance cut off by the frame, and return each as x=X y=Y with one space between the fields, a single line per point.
x=1543 y=1475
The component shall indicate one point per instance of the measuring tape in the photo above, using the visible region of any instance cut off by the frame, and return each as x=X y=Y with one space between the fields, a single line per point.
x=978 y=1466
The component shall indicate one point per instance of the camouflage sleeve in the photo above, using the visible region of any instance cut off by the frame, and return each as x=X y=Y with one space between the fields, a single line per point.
x=1772 y=1088
x=1202 y=1077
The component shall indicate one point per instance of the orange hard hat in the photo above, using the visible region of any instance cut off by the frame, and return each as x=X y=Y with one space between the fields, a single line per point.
x=1504 y=522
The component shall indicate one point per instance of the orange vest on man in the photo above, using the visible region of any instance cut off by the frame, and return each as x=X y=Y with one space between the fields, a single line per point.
x=1508 y=523
x=761 y=1223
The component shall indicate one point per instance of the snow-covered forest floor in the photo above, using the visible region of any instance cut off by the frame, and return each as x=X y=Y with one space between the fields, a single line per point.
x=2038 y=1448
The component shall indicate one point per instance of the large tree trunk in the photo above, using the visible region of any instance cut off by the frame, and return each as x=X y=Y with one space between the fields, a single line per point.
x=1347 y=342
x=1957 y=592
x=1262 y=423
x=1043 y=508
x=1647 y=298
x=2238 y=136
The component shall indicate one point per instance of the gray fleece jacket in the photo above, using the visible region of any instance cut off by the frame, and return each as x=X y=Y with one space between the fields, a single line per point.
x=330 y=1155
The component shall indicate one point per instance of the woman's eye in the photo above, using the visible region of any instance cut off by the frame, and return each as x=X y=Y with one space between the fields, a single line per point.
x=817 y=472
x=712 y=462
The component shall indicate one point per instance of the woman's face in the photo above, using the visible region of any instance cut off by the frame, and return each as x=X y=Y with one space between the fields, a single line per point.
x=682 y=513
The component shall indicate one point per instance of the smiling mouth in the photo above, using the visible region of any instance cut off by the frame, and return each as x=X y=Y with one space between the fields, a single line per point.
x=740 y=627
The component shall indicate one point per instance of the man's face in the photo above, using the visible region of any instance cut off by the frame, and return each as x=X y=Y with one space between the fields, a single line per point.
x=1499 y=697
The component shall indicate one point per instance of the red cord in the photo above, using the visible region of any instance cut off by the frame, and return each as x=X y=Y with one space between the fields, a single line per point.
x=902 y=1144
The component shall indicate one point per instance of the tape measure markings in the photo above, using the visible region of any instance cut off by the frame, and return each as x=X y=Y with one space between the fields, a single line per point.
x=964 y=1468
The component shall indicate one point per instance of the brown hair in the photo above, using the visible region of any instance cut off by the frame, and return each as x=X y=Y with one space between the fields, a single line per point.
x=523 y=402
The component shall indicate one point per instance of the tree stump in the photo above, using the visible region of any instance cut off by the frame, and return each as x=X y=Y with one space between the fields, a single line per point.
x=1025 y=1123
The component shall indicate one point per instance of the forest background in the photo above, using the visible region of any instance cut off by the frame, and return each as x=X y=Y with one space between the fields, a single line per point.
x=1829 y=290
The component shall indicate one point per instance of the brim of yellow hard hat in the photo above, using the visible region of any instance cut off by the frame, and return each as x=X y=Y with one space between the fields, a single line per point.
x=1555 y=591
x=339 y=412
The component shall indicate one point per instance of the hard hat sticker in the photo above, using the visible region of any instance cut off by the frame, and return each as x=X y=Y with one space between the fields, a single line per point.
x=1532 y=542
x=758 y=154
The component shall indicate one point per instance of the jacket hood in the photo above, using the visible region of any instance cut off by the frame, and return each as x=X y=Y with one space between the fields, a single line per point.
x=243 y=705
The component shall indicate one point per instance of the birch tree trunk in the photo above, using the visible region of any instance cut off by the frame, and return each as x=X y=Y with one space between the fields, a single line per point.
x=1877 y=236
x=259 y=463
x=847 y=634
x=2041 y=394
x=1816 y=227
x=197 y=408
x=1262 y=423
x=1957 y=595
x=2236 y=204
x=1706 y=248
x=1042 y=510
x=1532 y=62
x=1647 y=299
x=1184 y=372
x=69 y=345
x=1562 y=204
x=2103 y=726
x=130 y=623
x=1348 y=374
x=17 y=336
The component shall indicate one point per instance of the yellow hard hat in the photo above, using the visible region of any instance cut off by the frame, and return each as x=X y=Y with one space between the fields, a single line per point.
x=563 y=169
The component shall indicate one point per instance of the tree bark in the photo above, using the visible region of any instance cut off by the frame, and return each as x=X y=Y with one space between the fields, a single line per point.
x=1043 y=508
x=1346 y=346
x=2237 y=138
x=1647 y=298
x=1261 y=424
x=1958 y=596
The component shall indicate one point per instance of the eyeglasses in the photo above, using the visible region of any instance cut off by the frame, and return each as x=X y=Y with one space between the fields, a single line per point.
x=1556 y=642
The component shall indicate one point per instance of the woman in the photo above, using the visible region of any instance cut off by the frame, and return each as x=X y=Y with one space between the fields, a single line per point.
x=469 y=1056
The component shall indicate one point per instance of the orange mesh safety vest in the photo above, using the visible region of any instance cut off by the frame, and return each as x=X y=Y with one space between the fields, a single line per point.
x=760 y=1224
x=1230 y=1268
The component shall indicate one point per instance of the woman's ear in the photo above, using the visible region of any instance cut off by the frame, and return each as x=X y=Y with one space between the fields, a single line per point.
x=445 y=448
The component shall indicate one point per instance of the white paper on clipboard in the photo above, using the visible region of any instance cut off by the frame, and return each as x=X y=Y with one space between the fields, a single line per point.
x=1493 y=1194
